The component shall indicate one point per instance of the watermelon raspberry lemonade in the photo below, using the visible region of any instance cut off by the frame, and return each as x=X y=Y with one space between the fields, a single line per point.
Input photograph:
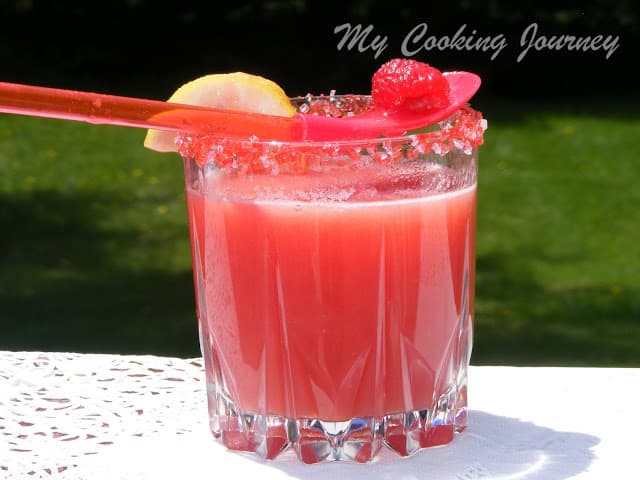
x=334 y=280
x=333 y=251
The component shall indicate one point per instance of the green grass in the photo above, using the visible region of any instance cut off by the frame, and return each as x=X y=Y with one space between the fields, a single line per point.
x=558 y=254
x=95 y=254
x=94 y=245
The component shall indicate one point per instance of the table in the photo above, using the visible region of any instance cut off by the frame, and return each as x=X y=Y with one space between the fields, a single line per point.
x=89 y=416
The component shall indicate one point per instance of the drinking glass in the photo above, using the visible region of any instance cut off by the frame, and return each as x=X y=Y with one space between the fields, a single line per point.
x=334 y=286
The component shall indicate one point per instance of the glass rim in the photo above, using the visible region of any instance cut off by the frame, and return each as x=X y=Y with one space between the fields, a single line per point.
x=443 y=131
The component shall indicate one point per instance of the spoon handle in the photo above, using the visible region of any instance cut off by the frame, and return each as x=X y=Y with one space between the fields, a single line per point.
x=103 y=109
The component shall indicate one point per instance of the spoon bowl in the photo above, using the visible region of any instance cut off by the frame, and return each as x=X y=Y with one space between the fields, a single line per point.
x=378 y=122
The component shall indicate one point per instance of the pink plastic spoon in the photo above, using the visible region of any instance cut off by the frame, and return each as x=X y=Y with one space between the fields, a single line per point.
x=134 y=112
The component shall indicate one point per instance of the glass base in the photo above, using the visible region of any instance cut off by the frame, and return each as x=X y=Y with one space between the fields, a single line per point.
x=355 y=440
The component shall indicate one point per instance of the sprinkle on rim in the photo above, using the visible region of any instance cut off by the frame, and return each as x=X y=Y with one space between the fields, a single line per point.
x=459 y=134
x=233 y=91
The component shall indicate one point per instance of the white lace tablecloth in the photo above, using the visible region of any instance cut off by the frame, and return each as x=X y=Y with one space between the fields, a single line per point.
x=73 y=416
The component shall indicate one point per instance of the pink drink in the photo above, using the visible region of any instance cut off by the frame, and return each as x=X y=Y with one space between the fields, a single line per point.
x=335 y=293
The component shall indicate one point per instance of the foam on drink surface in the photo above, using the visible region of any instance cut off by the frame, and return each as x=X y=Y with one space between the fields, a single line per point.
x=373 y=184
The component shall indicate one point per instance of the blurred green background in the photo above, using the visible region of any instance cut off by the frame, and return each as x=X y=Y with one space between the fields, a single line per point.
x=94 y=249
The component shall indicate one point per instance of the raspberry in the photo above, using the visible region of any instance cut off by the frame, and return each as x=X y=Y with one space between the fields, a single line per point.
x=403 y=84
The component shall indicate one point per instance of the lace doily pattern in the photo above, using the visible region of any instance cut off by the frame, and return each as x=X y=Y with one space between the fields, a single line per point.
x=58 y=411
x=94 y=417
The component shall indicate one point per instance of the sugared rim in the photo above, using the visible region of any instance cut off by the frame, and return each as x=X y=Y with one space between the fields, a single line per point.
x=461 y=133
x=465 y=125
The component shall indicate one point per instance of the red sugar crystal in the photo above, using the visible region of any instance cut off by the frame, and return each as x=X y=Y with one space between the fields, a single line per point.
x=462 y=132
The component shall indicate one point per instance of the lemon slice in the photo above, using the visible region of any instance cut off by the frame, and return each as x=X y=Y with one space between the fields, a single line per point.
x=231 y=91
